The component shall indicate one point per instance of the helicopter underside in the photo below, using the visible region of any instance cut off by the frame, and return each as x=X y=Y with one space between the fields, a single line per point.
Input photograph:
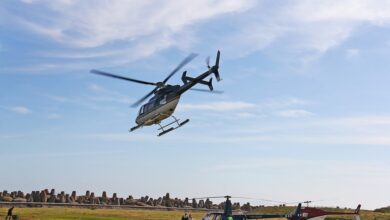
x=157 y=115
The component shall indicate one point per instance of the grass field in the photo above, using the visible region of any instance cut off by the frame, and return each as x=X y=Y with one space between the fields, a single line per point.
x=119 y=214
x=364 y=214
x=100 y=214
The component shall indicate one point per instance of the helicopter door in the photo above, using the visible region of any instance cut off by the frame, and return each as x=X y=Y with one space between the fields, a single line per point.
x=163 y=101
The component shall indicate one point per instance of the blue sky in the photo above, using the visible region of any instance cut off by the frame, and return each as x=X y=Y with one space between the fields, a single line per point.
x=304 y=114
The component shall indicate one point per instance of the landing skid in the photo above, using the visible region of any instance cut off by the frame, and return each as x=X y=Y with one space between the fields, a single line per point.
x=175 y=121
x=135 y=127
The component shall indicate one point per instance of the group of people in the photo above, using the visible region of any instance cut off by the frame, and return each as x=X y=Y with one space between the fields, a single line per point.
x=187 y=216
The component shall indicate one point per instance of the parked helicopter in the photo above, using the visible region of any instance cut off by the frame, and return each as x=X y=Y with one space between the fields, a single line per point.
x=166 y=97
x=229 y=214
x=316 y=213
x=298 y=213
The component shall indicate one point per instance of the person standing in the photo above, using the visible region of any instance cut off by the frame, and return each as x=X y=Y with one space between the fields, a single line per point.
x=9 y=215
x=185 y=216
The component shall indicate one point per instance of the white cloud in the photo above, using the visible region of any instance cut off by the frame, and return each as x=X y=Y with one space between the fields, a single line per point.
x=376 y=11
x=315 y=25
x=327 y=24
x=20 y=109
x=59 y=98
x=263 y=133
x=95 y=88
x=91 y=25
x=54 y=32
x=10 y=136
x=218 y=106
x=84 y=54
x=105 y=95
x=117 y=31
x=251 y=38
x=80 y=101
x=358 y=130
x=304 y=28
x=284 y=107
x=40 y=68
x=294 y=113
x=54 y=116
x=28 y=1
x=106 y=98
x=246 y=115
x=352 y=53
x=274 y=103
x=362 y=121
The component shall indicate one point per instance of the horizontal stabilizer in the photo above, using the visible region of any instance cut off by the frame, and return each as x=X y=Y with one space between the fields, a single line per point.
x=210 y=84
x=187 y=79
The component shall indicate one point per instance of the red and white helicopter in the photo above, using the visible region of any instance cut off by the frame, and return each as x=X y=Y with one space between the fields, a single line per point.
x=319 y=214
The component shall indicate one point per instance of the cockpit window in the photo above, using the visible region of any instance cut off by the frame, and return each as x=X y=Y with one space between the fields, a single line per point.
x=163 y=100
x=141 y=110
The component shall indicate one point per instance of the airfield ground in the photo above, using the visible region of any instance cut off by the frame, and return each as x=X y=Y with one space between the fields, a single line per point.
x=99 y=214
x=364 y=214
x=121 y=214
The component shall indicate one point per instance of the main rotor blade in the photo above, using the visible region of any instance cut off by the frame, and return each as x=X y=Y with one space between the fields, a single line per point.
x=211 y=197
x=260 y=199
x=183 y=63
x=143 y=98
x=207 y=90
x=309 y=201
x=122 y=77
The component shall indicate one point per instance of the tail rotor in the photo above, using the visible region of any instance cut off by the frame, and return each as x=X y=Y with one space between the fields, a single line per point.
x=208 y=62
x=214 y=69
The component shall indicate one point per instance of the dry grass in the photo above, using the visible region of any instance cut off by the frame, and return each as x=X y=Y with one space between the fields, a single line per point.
x=101 y=214
x=121 y=214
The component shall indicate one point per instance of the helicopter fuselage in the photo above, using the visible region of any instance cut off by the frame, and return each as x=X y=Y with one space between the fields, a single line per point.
x=159 y=107
x=164 y=102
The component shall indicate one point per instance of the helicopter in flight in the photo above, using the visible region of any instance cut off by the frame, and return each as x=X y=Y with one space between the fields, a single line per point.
x=165 y=97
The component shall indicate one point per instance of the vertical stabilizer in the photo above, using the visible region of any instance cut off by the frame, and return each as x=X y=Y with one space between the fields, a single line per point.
x=216 y=67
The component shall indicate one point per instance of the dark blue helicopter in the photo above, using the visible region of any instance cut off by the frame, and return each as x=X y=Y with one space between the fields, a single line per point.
x=166 y=97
